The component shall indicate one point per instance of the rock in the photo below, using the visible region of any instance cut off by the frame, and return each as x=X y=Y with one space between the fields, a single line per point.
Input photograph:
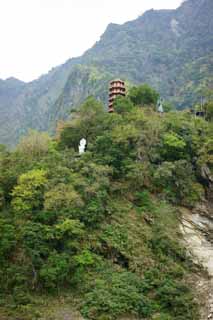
x=197 y=227
x=202 y=209
x=206 y=174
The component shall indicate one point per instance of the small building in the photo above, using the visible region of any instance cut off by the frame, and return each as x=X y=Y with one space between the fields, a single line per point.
x=198 y=113
x=116 y=88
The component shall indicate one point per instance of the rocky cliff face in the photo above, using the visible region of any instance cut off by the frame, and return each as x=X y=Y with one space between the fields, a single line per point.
x=172 y=50
x=197 y=229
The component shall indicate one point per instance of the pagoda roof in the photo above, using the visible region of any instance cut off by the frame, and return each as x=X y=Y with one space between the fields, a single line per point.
x=117 y=80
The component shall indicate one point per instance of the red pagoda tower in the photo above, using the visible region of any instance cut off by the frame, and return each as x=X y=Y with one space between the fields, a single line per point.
x=116 y=88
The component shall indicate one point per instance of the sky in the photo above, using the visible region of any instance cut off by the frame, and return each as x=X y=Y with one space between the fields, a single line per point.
x=37 y=35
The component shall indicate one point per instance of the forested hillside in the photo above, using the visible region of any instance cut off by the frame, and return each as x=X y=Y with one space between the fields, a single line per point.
x=100 y=232
x=168 y=49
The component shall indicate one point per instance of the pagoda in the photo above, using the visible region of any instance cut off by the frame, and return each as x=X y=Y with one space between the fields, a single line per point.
x=116 y=88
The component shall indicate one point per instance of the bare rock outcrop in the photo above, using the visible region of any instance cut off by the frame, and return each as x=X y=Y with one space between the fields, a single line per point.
x=197 y=230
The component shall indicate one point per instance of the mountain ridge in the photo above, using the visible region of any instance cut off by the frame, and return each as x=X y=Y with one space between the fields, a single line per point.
x=171 y=50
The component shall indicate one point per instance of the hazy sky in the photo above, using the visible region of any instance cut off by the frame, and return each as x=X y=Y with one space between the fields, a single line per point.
x=36 y=35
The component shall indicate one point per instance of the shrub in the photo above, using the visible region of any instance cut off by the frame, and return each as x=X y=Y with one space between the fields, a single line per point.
x=143 y=95
x=117 y=294
x=56 y=271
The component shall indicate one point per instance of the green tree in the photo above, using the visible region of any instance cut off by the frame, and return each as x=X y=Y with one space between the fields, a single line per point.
x=178 y=187
x=28 y=194
x=122 y=105
x=7 y=238
x=208 y=107
x=143 y=95
x=56 y=271
x=34 y=145
x=168 y=106
x=62 y=198
x=173 y=147
x=87 y=123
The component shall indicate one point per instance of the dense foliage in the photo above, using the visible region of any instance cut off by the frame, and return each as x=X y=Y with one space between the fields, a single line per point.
x=104 y=226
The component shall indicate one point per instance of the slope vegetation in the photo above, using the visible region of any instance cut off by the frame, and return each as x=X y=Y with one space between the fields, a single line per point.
x=100 y=232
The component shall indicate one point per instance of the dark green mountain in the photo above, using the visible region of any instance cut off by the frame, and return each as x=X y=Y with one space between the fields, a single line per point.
x=172 y=50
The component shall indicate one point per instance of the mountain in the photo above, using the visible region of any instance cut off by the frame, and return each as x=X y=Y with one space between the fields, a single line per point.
x=172 y=50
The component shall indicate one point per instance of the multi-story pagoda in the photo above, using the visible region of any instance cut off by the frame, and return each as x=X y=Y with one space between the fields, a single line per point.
x=116 y=88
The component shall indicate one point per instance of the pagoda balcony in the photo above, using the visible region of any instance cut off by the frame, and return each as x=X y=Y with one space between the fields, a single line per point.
x=117 y=86
x=117 y=90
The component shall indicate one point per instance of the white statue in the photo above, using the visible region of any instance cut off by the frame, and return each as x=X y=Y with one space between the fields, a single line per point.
x=160 y=106
x=82 y=146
